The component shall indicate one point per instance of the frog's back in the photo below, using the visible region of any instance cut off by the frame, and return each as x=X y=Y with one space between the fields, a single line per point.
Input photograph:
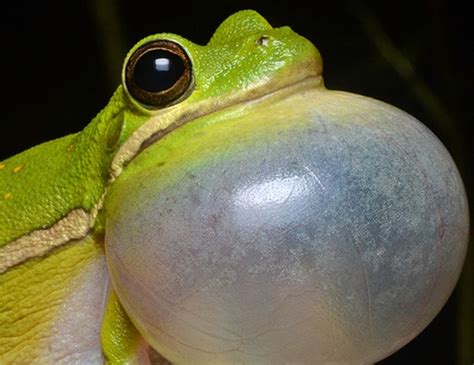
x=47 y=183
x=33 y=185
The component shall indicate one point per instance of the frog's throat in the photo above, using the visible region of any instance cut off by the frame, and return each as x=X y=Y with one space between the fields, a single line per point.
x=78 y=223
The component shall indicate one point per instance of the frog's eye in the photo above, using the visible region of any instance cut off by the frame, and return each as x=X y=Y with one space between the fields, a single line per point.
x=158 y=73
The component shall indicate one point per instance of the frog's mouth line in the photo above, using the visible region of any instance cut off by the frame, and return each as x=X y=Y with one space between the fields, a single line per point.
x=302 y=76
x=309 y=81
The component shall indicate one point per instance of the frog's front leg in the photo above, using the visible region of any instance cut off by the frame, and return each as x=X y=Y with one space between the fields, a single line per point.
x=121 y=342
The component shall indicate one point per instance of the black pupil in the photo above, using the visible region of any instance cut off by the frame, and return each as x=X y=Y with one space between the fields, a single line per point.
x=157 y=70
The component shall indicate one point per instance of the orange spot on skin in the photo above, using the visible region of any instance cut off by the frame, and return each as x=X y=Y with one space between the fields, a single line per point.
x=17 y=168
x=70 y=147
x=7 y=196
x=2 y=166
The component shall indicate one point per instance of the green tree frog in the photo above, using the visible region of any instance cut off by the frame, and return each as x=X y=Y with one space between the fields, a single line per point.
x=224 y=208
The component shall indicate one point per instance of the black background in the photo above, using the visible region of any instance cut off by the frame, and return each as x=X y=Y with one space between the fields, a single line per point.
x=61 y=62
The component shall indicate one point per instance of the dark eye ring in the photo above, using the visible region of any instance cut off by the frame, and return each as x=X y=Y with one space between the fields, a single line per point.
x=158 y=73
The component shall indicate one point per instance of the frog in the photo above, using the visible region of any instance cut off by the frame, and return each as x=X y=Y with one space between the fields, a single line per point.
x=54 y=283
x=223 y=208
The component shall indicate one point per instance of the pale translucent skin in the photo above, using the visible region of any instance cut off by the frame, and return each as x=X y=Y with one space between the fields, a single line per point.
x=326 y=228
x=74 y=338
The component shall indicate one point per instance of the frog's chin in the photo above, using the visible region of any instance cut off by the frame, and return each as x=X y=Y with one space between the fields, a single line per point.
x=170 y=119
x=251 y=98
x=288 y=229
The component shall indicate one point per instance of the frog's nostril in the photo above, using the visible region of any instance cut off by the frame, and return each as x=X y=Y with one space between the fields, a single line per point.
x=264 y=40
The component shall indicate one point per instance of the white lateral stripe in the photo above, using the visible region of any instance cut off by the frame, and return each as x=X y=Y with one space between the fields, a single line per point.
x=75 y=225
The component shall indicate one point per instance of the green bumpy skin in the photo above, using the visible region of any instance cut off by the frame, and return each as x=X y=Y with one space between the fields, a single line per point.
x=40 y=186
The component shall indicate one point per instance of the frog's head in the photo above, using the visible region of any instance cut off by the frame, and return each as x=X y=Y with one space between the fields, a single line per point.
x=168 y=80
x=246 y=58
